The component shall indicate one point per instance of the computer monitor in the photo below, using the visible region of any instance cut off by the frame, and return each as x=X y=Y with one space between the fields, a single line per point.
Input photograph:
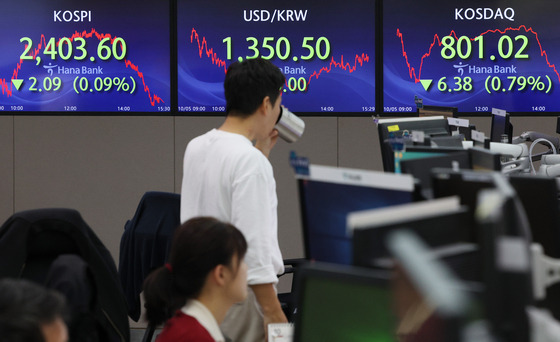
x=466 y=184
x=431 y=303
x=348 y=303
x=420 y=168
x=448 y=141
x=501 y=125
x=427 y=110
x=328 y=194
x=421 y=160
x=467 y=131
x=539 y=196
x=343 y=303
x=419 y=151
x=506 y=261
x=442 y=223
x=483 y=159
x=431 y=126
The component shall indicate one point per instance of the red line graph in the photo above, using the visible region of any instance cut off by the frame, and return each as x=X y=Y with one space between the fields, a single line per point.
x=7 y=87
x=364 y=58
x=209 y=52
x=4 y=86
x=203 y=47
x=412 y=71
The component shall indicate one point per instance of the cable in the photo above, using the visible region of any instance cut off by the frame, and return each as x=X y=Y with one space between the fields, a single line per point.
x=531 y=151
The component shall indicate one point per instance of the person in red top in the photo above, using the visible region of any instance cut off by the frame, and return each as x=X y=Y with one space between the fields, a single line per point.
x=204 y=277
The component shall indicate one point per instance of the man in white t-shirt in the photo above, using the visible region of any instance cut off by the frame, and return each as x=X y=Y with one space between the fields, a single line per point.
x=228 y=177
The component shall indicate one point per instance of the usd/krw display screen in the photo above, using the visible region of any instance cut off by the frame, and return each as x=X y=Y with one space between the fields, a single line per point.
x=324 y=48
x=474 y=55
x=78 y=55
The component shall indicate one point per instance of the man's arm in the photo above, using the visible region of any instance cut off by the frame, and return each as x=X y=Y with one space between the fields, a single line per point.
x=270 y=305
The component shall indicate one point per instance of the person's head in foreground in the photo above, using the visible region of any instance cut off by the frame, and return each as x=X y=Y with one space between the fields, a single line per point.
x=205 y=267
x=31 y=313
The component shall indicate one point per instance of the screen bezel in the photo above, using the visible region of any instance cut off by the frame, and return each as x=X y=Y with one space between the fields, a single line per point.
x=379 y=4
x=338 y=273
x=365 y=179
x=171 y=4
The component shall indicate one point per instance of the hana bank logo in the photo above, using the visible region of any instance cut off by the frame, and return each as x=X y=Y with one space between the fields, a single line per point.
x=460 y=68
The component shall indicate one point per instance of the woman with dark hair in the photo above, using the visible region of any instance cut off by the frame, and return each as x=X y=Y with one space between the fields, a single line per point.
x=204 y=277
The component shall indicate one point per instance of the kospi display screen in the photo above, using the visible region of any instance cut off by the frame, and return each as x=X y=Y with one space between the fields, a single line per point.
x=324 y=48
x=85 y=56
x=473 y=55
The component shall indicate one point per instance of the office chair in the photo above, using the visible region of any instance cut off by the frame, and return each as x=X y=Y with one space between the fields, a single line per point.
x=287 y=299
x=56 y=247
x=145 y=245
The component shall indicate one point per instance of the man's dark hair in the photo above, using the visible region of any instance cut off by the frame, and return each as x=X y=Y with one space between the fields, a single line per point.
x=247 y=83
x=25 y=307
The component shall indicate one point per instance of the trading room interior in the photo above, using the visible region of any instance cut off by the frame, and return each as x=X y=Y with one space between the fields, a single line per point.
x=430 y=142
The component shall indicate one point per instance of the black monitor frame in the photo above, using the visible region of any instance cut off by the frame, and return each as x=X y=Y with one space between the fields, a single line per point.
x=449 y=231
x=509 y=289
x=421 y=168
x=539 y=197
x=507 y=293
x=463 y=183
x=364 y=184
x=431 y=126
x=436 y=285
x=501 y=125
x=483 y=159
x=436 y=150
x=348 y=276
x=428 y=110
